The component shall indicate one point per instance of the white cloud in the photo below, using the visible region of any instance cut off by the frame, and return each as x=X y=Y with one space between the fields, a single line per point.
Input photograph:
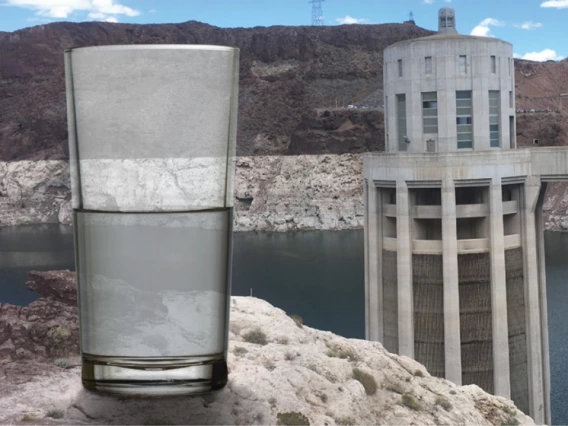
x=103 y=10
x=428 y=1
x=349 y=20
x=558 y=4
x=528 y=25
x=97 y=16
x=543 y=55
x=517 y=56
x=482 y=29
x=109 y=7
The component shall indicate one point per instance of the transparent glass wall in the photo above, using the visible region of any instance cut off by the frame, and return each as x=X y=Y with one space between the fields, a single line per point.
x=151 y=127
x=153 y=284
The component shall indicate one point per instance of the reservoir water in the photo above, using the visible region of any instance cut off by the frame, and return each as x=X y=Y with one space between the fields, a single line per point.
x=317 y=275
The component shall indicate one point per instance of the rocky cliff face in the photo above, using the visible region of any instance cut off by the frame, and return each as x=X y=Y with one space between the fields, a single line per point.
x=548 y=128
x=34 y=192
x=289 y=77
x=284 y=193
x=272 y=193
x=298 y=375
x=339 y=131
x=285 y=73
x=555 y=208
x=292 y=79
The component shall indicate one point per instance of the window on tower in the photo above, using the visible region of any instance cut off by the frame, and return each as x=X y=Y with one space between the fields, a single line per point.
x=401 y=122
x=428 y=65
x=386 y=120
x=400 y=67
x=430 y=112
x=463 y=64
x=493 y=64
x=494 y=118
x=464 y=119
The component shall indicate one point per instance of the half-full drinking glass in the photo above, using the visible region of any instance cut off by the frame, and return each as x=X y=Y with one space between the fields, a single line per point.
x=152 y=143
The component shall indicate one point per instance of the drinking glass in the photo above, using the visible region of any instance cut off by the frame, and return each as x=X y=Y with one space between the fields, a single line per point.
x=152 y=132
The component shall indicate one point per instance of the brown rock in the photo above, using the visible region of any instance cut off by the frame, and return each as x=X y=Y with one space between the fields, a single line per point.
x=339 y=131
x=47 y=328
x=5 y=331
x=57 y=285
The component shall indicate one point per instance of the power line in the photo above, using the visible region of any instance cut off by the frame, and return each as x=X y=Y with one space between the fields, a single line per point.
x=317 y=12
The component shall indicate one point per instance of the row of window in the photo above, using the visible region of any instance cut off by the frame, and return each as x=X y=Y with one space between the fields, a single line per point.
x=464 y=117
x=463 y=65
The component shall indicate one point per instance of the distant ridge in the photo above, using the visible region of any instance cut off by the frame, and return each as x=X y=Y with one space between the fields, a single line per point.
x=286 y=73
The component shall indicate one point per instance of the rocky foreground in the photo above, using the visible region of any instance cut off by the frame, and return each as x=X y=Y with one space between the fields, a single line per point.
x=284 y=373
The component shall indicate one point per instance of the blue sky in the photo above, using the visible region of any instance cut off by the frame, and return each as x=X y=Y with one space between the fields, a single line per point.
x=538 y=29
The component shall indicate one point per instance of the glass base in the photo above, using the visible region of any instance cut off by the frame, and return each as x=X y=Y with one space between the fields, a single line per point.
x=156 y=376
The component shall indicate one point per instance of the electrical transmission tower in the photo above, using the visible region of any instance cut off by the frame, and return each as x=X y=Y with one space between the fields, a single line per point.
x=410 y=19
x=317 y=12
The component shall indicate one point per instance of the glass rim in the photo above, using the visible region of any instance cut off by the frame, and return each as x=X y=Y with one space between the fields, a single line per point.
x=203 y=47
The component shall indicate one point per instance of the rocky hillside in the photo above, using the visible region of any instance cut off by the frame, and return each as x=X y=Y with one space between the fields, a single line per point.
x=285 y=72
x=538 y=84
x=295 y=84
x=293 y=80
x=289 y=374
x=339 y=131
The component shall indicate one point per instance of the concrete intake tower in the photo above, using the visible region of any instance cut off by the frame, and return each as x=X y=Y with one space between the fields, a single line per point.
x=454 y=251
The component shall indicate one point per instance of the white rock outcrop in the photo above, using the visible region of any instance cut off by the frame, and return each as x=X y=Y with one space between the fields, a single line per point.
x=283 y=193
x=555 y=208
x=33 y=192
x=299 y=373
x=153 y=184
x=272 y=193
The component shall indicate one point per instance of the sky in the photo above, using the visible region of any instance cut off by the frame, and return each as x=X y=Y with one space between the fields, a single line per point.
x=538 y=29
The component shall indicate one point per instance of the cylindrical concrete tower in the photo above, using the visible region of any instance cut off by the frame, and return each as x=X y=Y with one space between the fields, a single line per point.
x=449 y=92
x=454 y=255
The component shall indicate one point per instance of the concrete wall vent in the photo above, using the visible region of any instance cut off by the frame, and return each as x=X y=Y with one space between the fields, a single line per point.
x=447 y=20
